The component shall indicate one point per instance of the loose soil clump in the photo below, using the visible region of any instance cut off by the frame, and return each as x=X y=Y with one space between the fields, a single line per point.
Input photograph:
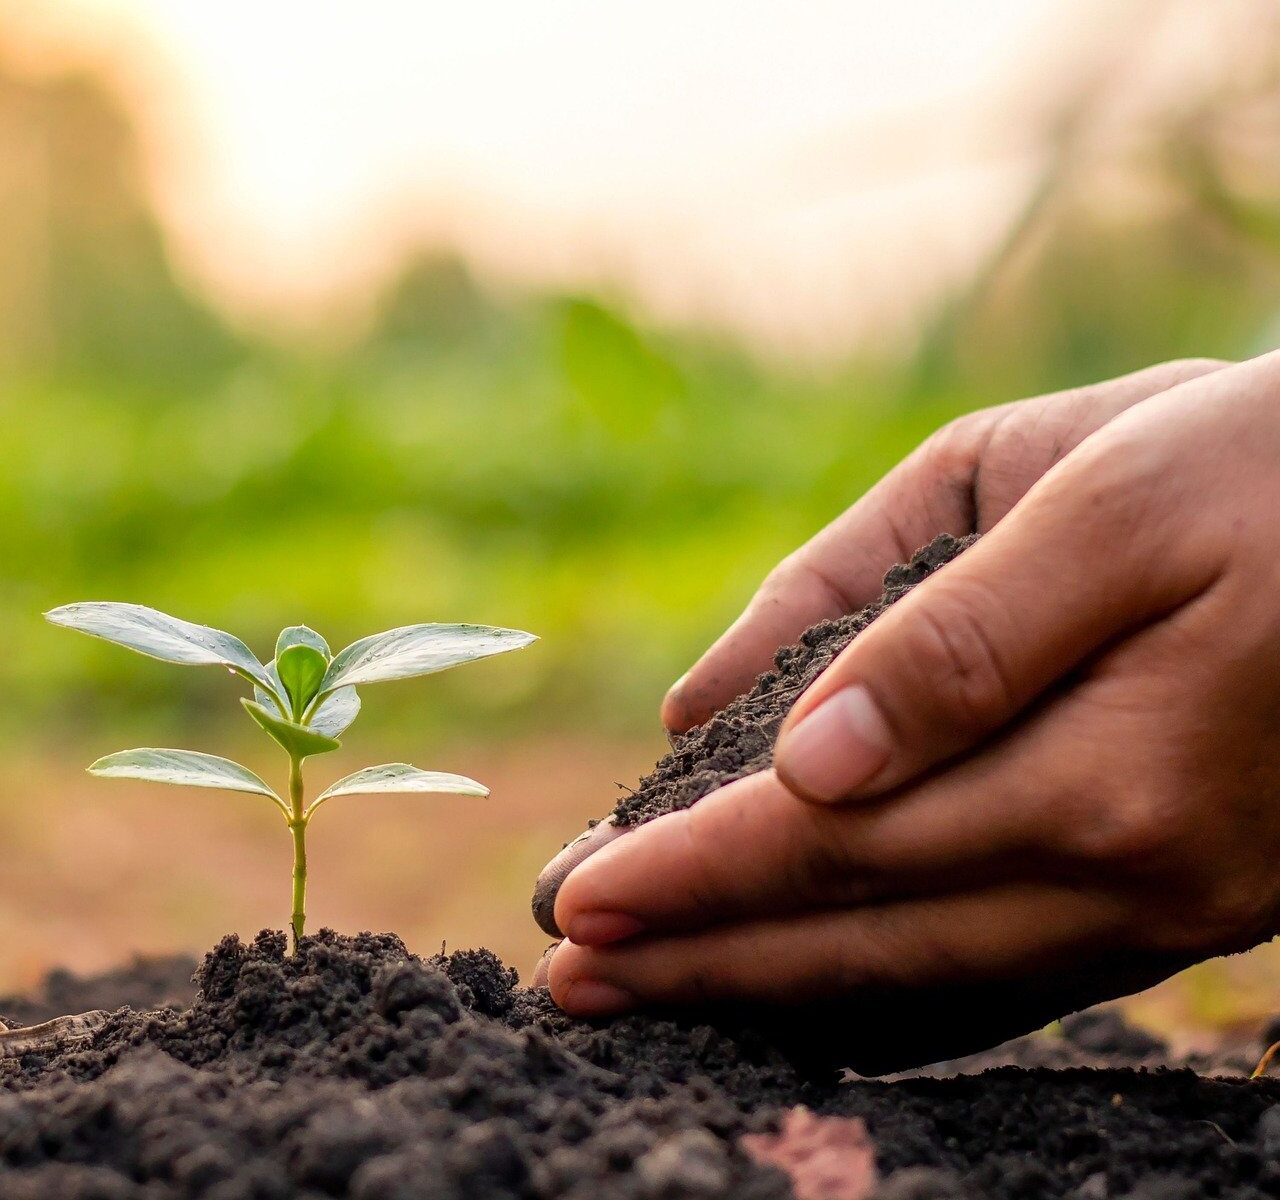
x=356 y=1069
x=738 y=740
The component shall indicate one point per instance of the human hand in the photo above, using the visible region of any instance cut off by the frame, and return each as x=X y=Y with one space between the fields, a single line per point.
x=963 y=480
x=1068 y=776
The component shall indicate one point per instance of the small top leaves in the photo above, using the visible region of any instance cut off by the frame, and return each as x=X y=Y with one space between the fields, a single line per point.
x=418 y=650
x=301 y=668
x=302 y=657
x=332 y=716
x=161 y=636
x=300 y=635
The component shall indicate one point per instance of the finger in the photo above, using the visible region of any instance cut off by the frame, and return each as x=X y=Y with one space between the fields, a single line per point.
x=1094 y=551
x=1039 y=433
x=964 y=479
x=753 y=850
x=556 y=871
x=1005 y=932
x=882 y=1029
x=838 y=571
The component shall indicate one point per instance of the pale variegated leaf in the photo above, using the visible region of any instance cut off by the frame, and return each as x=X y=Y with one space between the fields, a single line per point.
x=268 y=701
x=161 y=636
x=418 y=650
x=186 y=768
x=400 y=777
x=336 y=712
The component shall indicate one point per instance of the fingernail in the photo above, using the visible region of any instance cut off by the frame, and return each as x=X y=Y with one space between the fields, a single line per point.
x=558 y=869
x=837 y=748
x=601 y=928
x=592 y=998
x=543 y=970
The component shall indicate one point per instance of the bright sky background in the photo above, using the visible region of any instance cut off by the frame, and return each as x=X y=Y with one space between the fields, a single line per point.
x=800 y=171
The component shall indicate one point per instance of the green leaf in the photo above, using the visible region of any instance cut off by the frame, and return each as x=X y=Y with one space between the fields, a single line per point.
x=300 y=635
x=298 y=740
x=418 y=650
x=336 y=712
x=161 y=636
x=184 y=767
x=399 y=777
x=332 y=716
x=301 y=667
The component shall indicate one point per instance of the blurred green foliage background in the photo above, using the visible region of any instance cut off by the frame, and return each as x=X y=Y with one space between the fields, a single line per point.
x=548 y=461
x=545 y=461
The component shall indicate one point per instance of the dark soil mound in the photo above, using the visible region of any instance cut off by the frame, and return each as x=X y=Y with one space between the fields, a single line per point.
x=738 y=740
x=357 y=1070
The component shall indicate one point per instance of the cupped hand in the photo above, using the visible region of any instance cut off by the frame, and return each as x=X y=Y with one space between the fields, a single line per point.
x=963 y=480
x=1049 y=774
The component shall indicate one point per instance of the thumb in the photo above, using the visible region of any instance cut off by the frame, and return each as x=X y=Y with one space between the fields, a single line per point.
x=1066 y=571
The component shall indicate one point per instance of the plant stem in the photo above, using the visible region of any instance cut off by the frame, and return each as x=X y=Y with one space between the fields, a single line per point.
x=298 y=827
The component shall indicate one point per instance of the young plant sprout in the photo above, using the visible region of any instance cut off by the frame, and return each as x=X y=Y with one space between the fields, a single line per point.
x=305 y=699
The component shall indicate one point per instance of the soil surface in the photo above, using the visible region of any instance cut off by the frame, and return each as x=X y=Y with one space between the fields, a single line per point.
x=738 y=740
x=144 y=983
x=357 y=1070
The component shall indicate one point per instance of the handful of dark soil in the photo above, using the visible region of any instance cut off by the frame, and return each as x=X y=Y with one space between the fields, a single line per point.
x=738 y=740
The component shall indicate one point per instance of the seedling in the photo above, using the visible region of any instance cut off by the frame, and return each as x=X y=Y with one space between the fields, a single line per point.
x=304 y=699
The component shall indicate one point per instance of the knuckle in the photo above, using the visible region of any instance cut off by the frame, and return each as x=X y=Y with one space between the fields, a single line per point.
x=1179 y=370
x=833 y=858
x=1141 y=830
x=780 y=576
x=957 y=656
x=703 y=981
x=1114 y=483
x=1218 y=916
x=952 y=451
x=1192 y=882
x=943 y=472
x=960 y=433
x=1234 y=915
x=890 y=952
x=782 y=581
x=955 y=436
